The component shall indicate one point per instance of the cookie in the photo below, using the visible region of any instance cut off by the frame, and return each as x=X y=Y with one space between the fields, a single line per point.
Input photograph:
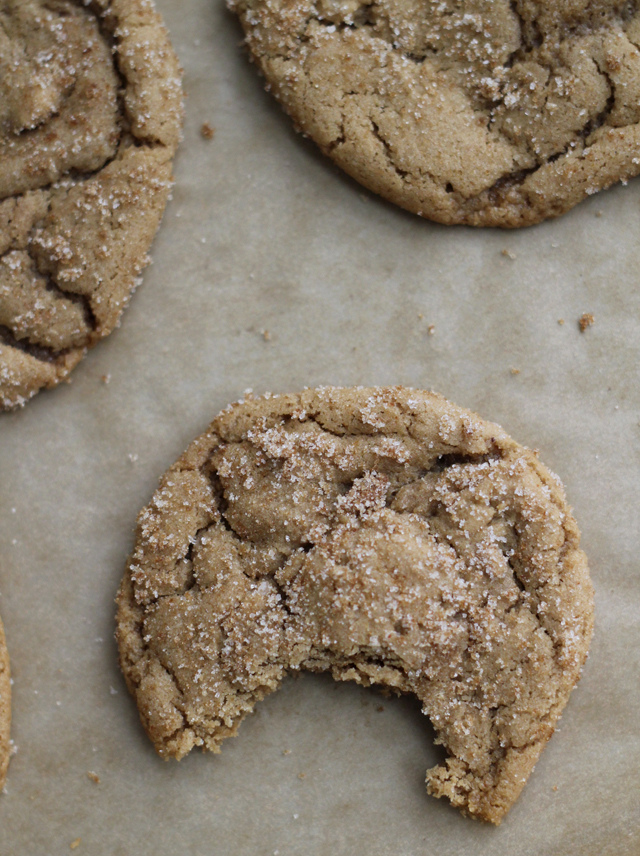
x=383 y=535
x=5 y=707
x=90 y=118
x=489 y=114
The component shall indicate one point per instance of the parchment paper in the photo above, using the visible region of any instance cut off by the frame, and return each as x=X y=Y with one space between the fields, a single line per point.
x=274 y=271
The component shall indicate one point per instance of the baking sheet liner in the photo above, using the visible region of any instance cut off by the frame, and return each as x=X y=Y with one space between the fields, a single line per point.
x=274 y=271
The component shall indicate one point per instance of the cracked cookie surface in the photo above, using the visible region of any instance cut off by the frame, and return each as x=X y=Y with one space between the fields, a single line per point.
x=489 y=114
x=383 y=535
x=90 y=118
x=5 y=708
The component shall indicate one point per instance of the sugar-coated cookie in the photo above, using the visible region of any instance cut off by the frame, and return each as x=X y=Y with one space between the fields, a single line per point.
x=90 y=117
x=495 y=113
x=383 y=535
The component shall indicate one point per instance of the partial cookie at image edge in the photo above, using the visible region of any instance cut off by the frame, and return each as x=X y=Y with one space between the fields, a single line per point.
x=501 y=116
x=83 y=187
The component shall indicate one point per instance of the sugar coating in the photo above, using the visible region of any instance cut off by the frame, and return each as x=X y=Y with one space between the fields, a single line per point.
x=489 y=114
x=5 y=708
x=383 y=535
x=90 y=118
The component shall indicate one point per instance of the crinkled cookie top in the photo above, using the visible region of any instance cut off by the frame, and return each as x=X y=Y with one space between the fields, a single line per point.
x=383 y=535
x=90 y=116
x=487 y=113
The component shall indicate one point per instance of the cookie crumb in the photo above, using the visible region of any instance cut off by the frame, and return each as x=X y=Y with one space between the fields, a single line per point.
x=509 y=254
x=431 y=329
x=302 y=775
x=286 y=751
x=106 y=378
x=554 y=788
x=207 y=131
x=266 y=335
x=561 y=321
x=95 y=778
x=515 y=371
x=586 y=320
x=75 y=844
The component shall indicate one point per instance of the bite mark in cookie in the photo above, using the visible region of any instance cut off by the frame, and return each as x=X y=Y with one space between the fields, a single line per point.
x=90 y=117
x=383 y=535
x=489 y=114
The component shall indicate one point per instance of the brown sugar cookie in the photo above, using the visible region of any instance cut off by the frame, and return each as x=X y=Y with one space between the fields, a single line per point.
x=5 y=707
x=489 y=114
x=90 y=118
x=383 y=535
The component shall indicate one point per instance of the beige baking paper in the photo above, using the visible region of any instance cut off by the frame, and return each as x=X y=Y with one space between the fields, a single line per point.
x=274 y=271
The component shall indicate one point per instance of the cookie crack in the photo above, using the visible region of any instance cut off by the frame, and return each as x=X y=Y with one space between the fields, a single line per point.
x=388 y=151
x=284 y=600
x=53 y=286
x=221 y=502
x=601 y=119
x=501 y=188
x=39 y=352
x=315 y=418
x=457 y=459
x=340 y=140
x=530 y=35
x=363 y=657
x=221 y=506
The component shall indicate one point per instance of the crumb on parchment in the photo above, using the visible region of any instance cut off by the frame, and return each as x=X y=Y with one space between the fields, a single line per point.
x=586 y=320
